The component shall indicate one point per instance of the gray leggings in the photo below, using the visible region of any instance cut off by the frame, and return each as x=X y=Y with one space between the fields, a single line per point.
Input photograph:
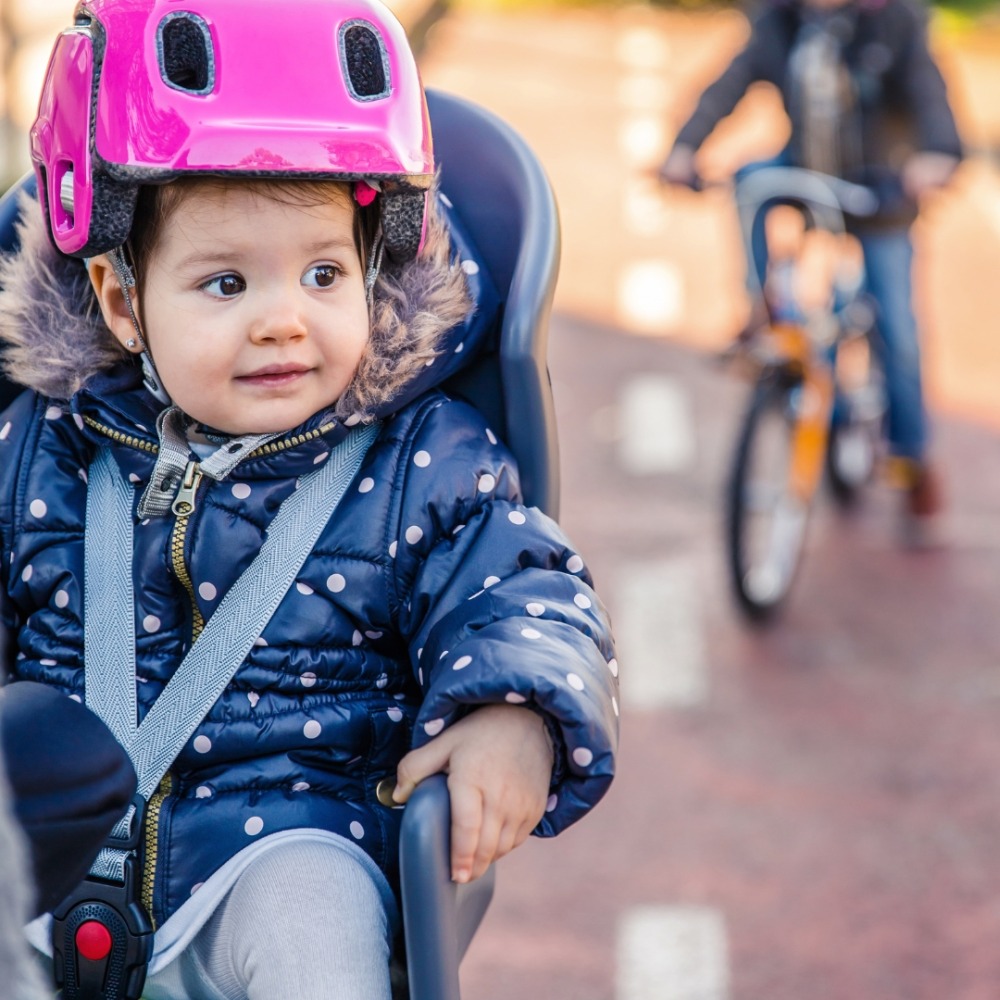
x=305 y=920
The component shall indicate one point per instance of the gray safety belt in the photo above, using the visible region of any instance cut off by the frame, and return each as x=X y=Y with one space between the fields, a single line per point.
x=229 y=634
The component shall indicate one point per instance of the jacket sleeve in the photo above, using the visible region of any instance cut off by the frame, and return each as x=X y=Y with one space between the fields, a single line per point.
x=757 y=61
x=19 y=429
x=497 y=606
x=924 y=88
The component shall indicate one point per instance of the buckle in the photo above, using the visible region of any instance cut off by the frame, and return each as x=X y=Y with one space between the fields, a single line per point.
x=102 y=938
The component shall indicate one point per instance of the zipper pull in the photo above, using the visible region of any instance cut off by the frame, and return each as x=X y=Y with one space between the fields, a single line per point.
x=184 y=501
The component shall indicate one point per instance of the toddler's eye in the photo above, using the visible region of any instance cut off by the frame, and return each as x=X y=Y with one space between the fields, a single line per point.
x=225 y=286
x=321 y=276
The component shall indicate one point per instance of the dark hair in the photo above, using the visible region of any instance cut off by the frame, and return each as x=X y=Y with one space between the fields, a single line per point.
x=156 y=204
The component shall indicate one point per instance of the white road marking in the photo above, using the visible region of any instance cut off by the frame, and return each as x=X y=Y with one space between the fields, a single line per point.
x=643 y=49
x=651 y=296
x=642 y=140
x=657 y=431
x=672 y=953
x=658 y=625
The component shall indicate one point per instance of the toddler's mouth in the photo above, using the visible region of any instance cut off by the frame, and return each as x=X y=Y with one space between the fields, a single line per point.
x=274 y=375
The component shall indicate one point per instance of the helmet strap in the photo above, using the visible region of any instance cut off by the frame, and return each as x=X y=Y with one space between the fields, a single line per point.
x=375 y=256
x=126 y=278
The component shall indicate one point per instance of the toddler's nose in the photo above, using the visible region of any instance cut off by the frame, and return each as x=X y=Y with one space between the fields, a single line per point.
x=280 y=320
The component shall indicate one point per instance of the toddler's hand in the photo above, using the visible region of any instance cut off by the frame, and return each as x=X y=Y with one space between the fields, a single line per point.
x=499 y=764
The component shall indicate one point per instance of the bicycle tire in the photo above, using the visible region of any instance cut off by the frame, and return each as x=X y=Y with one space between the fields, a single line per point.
x=760 y=502
x=856 y=437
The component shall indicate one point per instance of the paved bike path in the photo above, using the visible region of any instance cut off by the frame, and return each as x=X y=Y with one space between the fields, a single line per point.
x=823 y=791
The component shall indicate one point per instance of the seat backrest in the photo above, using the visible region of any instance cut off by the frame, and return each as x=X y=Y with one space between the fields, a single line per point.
x=501 y=193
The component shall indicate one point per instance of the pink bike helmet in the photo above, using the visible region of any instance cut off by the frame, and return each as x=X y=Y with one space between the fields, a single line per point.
x=146 y=91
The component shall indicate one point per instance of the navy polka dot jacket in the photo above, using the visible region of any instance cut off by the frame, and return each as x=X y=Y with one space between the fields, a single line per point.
x=432 y=590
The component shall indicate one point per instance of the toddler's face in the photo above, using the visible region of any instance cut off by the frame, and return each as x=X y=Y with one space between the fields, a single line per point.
x=254 y=309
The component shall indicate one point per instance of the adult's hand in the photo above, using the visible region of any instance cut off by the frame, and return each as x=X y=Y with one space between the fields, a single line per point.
x=926 y=172
x=679 y=167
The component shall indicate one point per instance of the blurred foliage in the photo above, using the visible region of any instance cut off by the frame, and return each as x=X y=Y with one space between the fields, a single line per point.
x=957 y=12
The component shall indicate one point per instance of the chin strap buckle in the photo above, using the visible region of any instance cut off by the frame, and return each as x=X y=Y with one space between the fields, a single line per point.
x=102 y=938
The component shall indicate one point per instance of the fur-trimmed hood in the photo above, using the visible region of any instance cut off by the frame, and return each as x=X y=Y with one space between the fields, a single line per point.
x=56 y=340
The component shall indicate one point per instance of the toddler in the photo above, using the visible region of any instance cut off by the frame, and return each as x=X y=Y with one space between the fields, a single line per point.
x=238 y=275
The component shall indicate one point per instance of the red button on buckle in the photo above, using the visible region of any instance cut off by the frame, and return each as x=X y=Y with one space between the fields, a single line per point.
x=93 y=940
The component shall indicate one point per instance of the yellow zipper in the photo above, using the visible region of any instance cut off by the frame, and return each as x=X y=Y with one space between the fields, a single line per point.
x=271 y=448
x=126 y=439
x=274 y=447
x=152 y=840
x=183 y=507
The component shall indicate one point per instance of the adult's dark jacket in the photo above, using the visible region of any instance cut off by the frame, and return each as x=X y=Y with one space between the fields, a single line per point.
x=901 y=101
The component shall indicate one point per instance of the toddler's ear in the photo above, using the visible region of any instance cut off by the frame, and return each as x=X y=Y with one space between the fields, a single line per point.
x=111 y=299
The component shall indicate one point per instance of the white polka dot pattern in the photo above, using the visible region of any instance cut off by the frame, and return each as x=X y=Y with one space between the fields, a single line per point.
x=311 y=729
x=253 y=826
x=202 y=744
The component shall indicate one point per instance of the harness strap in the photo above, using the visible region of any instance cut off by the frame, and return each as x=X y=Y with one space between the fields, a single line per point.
x=229 y=634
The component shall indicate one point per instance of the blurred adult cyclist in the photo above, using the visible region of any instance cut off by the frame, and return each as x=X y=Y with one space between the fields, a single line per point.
x=867 y=103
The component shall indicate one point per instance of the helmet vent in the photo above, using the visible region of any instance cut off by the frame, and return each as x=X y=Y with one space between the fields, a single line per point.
x=187 y=59
x=366 y=66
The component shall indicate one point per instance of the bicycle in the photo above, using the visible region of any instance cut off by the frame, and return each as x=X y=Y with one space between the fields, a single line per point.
x=817 y=402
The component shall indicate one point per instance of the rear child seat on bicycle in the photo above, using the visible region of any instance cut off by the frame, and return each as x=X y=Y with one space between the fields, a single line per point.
x=520 y=220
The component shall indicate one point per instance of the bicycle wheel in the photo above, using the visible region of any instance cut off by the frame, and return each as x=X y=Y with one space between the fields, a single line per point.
x=856 y=432
x=766 y=516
